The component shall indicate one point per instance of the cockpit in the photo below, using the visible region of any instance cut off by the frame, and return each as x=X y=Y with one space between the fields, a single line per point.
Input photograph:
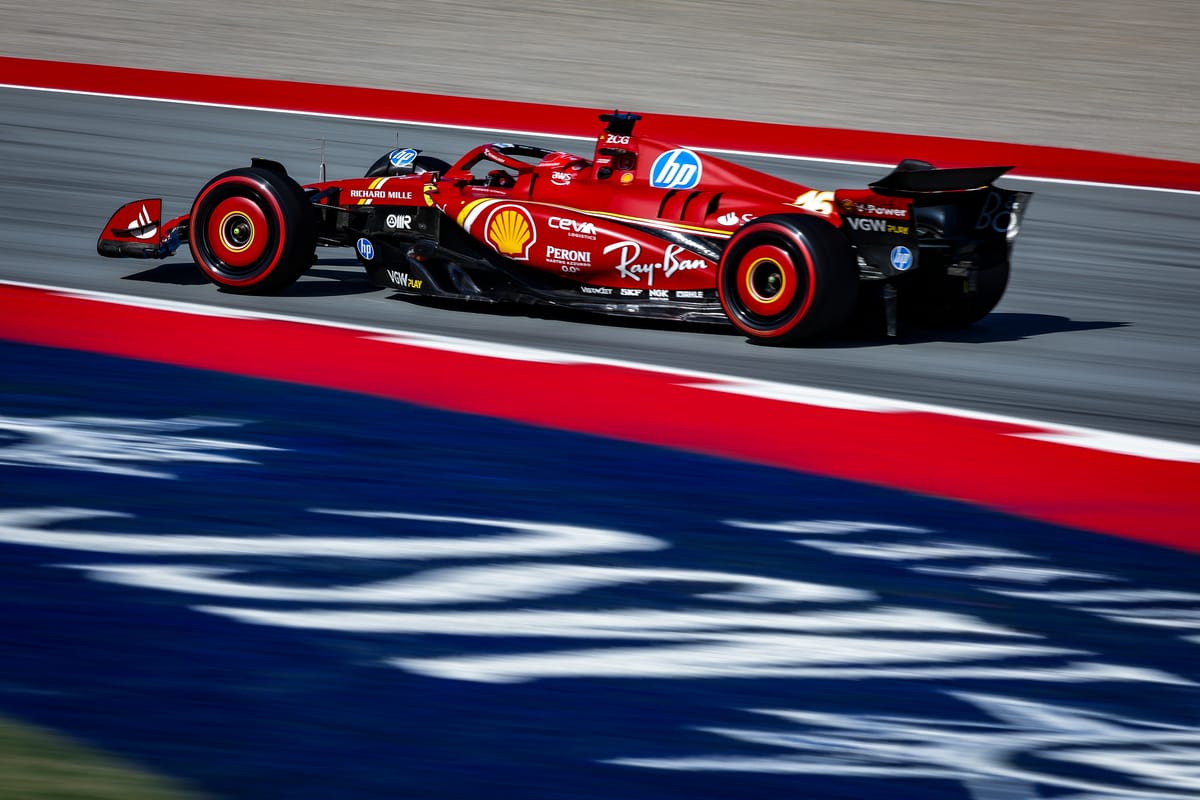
x=517 y=167
x=521 y=169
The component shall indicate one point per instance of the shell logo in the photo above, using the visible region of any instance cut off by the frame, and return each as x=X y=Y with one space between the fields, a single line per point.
x=510 y=230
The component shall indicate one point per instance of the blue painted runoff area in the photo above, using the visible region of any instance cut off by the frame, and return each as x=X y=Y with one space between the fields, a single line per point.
x=274 y=591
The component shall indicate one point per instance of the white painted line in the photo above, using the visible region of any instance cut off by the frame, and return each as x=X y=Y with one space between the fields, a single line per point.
x=1068 y=435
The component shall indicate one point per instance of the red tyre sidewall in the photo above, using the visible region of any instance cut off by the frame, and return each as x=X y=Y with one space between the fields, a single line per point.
x=796 y=271
x=269 y=215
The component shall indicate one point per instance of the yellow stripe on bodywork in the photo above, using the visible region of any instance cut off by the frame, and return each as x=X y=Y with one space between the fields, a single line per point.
x=656 y=223
x=472 y=209
x=375 y=184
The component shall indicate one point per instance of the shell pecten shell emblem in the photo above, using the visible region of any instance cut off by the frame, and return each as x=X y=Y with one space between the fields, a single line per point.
x=511 y=231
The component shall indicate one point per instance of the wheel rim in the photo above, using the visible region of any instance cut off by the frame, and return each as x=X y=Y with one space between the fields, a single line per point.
x=767 y=281
x=237 y=232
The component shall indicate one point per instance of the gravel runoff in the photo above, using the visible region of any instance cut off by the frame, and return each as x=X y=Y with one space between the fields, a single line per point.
x=1107 y=75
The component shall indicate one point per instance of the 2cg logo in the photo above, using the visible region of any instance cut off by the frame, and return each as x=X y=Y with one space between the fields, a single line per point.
x=675 y=169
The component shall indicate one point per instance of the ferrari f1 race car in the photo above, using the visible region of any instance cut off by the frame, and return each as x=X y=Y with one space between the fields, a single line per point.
x=640 y=228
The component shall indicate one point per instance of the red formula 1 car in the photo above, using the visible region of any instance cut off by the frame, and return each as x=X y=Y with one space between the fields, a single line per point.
x=639 y=228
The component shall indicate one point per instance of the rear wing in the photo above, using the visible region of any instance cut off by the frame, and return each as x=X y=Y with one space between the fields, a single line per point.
x=917 y=210
x=962 y=202
x=913 y=177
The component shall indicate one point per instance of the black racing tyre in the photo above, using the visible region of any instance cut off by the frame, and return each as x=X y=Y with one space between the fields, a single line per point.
x=947 y=301
x=785 y=278
x=421 y=164
x=252 y=231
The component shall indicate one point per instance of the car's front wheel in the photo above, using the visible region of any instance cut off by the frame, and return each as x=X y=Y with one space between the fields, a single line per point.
x=252 y=231
x=786 y=278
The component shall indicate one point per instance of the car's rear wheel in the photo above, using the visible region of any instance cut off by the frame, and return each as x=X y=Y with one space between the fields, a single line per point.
x=252 y=231
x=785 y=278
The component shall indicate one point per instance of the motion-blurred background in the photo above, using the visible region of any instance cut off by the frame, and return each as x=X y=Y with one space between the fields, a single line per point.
x=1101 y=75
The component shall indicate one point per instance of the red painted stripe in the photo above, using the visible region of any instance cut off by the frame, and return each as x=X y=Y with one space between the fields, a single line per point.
x=971 y=460
x=824 y=143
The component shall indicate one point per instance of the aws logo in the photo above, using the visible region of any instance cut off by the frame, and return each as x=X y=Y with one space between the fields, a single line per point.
x=511 y=230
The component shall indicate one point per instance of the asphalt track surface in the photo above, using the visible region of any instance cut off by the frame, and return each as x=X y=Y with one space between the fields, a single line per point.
x=1097 y=328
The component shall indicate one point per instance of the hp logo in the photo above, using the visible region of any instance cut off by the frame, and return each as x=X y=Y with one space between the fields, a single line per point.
x=902 y=258
x=367 y=250
x=675 y=169
x=402 y=158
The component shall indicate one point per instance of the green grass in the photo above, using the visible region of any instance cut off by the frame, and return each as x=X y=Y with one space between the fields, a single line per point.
x=39 y=765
